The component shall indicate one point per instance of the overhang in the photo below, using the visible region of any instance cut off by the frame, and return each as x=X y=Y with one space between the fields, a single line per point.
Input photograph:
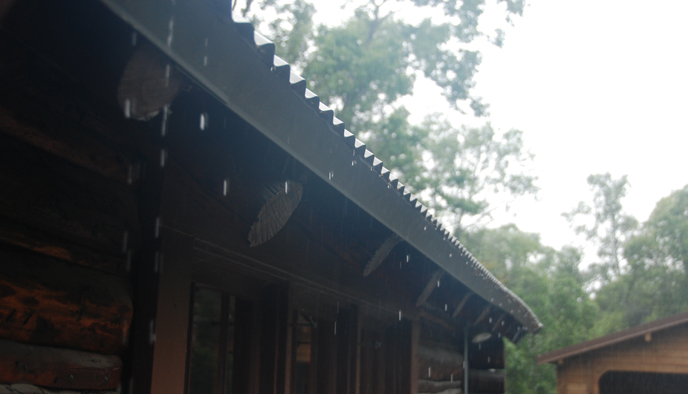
x=238 y=67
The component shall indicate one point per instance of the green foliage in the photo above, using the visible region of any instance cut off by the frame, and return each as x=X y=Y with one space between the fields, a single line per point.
x=611 y=227
x=551 y=283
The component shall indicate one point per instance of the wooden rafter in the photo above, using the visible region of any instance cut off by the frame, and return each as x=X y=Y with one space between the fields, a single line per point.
x=429 y=287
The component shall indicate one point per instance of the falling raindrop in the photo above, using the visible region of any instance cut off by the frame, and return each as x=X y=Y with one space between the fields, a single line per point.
x=165 y=113
x=488 y=359
x=429 y=371
x=450 y=255
x=490 y=320
x=353 y=163
x=205 y=61
x=335 y=327
x=425 y=228
x=408 y=257
x=130 y=175
x=331 y=175
x=445 y=307
x=127 y=108
x=203 y=123
x=399 y=315
x=163 y=156
x=170 y=30
x=225 y=187
x=134 y=37
x=286 y=187
x=438 y=283
x=157 y=227
x=125 y=239
x=168 y=68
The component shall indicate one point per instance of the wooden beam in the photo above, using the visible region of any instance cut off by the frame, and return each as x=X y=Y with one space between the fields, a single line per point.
x=429 y=287
x=48 y=302
x=57 y=198
x=24 y=236
x=58 y=368
x=482 y=315
x=70 y=141
x=462 y=304
x=23 y=388
x=498 y=322
x=431 y=386
x=381 y=254
x=435 y=363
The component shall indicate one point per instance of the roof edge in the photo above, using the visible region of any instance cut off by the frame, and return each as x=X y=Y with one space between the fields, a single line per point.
x=613 y=338
x=262 y=85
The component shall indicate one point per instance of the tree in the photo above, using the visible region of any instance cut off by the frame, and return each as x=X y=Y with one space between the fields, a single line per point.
x=610 y=226
x=363 y=67
x=551 y=283
x=655 y=283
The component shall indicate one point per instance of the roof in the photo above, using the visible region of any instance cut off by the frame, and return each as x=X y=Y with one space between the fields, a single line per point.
x=261 y=88
x=613 y=338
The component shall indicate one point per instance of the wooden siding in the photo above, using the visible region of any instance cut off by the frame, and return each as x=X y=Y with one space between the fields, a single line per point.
x=667 y=351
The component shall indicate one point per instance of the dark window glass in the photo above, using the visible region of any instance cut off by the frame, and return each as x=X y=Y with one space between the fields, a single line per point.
x=212 y=355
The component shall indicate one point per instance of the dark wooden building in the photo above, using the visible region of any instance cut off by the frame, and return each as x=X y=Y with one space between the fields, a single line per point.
x=179 y=214
x=651 y=358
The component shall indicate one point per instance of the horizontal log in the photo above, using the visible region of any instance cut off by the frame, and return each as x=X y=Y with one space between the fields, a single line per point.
x=24 y=388
x=57 y=368
x=24 y=236
x=64 y=138
x=487 y=355
x=439 y=364
x=486 y=381
x=48 y=194
x=48 y=302
x=430 y=386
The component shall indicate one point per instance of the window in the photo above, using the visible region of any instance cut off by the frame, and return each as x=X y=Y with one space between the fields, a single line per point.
x=218 y=345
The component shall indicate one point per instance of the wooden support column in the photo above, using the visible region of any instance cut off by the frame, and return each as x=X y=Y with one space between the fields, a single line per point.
x=275 y=344
x=146 y=270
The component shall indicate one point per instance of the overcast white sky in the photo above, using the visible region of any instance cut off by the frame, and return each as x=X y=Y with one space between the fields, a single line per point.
x=597 y=86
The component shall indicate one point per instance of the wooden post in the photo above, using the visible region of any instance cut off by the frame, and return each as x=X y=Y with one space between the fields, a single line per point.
x=275 y=363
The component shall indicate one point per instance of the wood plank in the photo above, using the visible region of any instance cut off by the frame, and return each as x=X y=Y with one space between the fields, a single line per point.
x=25 y=388
x=68 y=140
x=439 y=364
x=430 y=386
x=429 y=287
x=48 y=194
x=48 y=302
x=25 y=236
x=58 y=368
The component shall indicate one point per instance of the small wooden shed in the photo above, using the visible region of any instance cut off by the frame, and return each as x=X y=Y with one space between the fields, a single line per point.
x=179 y=214
x=649 y=358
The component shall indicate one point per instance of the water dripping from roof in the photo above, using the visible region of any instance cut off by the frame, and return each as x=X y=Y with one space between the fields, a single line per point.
x=127 y=108
x=170 y=32
x=165 y=113
x=203 y=122
x=167 y=75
